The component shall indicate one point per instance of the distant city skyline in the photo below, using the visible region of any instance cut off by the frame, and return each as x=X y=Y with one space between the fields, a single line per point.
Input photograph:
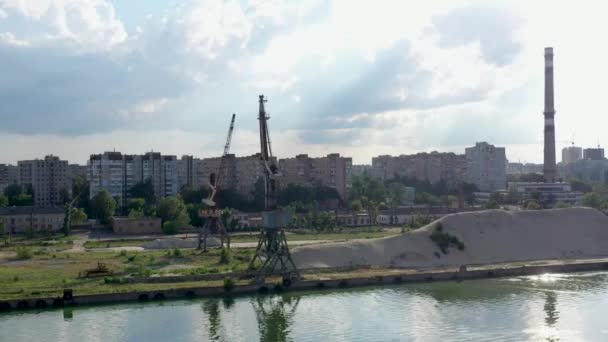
x=88 y=76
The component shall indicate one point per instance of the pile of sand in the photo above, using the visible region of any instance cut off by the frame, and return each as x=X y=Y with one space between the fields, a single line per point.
x=171 y=243
x=491 y=236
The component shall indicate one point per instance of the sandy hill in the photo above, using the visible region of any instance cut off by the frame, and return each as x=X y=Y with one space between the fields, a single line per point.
x=491 y=236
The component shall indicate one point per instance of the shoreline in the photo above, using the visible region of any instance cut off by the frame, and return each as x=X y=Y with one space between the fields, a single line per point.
x=380 y=277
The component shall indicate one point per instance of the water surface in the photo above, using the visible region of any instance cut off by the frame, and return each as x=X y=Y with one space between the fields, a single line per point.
x=571 y=307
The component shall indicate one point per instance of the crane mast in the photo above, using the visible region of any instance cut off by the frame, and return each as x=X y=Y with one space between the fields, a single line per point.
x=272 y=253
x=270 y=168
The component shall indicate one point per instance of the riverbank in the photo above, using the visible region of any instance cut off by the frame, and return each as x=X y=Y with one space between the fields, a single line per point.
x=313 y=279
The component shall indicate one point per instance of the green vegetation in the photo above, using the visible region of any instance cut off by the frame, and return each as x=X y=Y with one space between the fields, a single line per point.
x=24 y=252
x=228 y=284
x=18 y=195
x=43 y=275
x=103 y=206
x=173 y=214
x=225 y=257
x=445 y=240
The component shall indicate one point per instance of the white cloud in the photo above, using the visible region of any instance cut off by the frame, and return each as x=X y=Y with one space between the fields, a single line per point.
x=354 y=77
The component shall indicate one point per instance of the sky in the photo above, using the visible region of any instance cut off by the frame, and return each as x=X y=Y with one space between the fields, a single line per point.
x=359 y=78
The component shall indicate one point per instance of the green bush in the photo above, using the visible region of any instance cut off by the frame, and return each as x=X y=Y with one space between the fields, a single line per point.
x=132 y=258
x=228 y=284
x=225 y=256
x=143 y=271
x=123 y=253
x=114 y=280
x=177 y=252
x=170 y=227
x=24 y=253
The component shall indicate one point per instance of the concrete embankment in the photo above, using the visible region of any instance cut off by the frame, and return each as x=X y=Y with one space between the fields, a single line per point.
x=323 y=280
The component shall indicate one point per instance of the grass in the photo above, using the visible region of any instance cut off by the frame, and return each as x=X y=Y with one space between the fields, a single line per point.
x=44 y=276
x=51 y=244
x=115 y=243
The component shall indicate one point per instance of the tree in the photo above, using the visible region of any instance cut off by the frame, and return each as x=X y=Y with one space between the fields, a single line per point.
x=592 y=199
x=18 y=196
x=64 y=196
x=3 y=201
x=103 y=206
x=136 y=207
x=23 y=199
x=532 y=205
x=80 y=189
x=172 y=209
x=491 y=204
x=356 y=206
x=193 y=196
x=143 y=190
x=78 y=215
x=12 y=191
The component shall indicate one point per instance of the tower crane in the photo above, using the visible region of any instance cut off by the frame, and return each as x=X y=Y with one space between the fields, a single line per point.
x=212 y=213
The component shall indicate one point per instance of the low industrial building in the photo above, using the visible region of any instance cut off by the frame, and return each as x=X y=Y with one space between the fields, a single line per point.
x=547 y=193
x=135 y=226
x=31 y=219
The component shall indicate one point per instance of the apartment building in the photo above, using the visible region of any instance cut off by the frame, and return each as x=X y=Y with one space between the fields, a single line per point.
x=486 y=166
x=332 y=171
x=239 y=173
x=117 y=173
x=8 y=176
x=571 y=154
x=47 y=177
x=190 y=172
x=434 y=167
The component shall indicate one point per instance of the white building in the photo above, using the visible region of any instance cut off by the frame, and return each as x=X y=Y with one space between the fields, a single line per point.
x=571 y=154
x=486 y=166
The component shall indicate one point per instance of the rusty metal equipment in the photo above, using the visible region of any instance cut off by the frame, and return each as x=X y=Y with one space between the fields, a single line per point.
x=212 y=214
x=100 y=271
x=272 y=251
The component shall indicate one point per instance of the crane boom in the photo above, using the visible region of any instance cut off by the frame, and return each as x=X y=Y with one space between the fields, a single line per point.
x=214 y=180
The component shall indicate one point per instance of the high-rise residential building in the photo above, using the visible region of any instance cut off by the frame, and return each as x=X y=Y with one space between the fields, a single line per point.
x=434 y=167
x=593 y=153
x=239 y=173
x=8 y=176
x=190 y=172
x=117 y=173
x=331 y=171
x=47 y=177
x=486 y=166
x=571 y=154
x=107 y=171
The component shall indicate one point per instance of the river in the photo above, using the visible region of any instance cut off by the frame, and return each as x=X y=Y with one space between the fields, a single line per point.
x=554 y=307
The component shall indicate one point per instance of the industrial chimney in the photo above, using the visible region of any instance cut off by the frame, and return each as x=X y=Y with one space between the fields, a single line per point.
x=549 y=168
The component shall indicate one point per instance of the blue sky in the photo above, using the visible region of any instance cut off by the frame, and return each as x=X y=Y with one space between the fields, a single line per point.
x=361 y=79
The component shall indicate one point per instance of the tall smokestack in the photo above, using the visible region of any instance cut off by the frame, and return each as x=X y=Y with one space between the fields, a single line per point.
x=549 y=168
